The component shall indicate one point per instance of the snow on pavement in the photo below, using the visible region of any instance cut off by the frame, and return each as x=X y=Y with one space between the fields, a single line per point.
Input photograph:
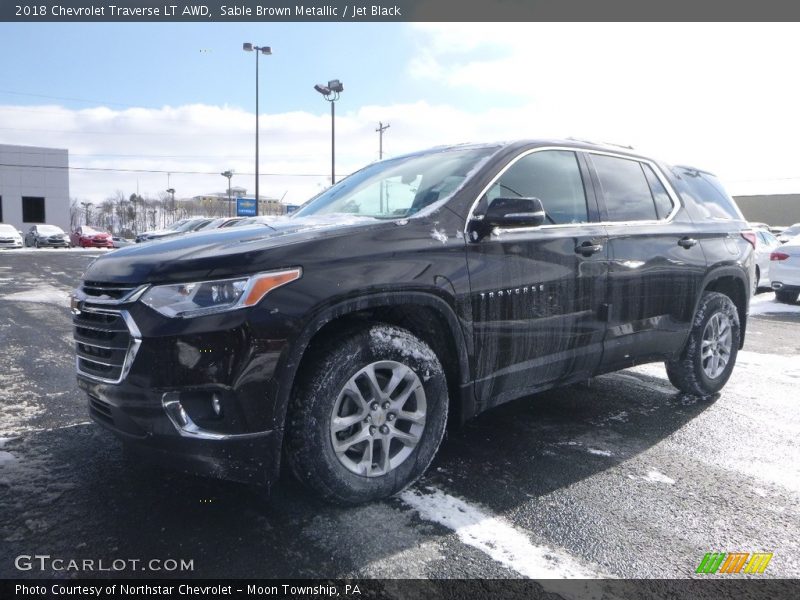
x=45 y=294
x=765 y=304
x=496 y=538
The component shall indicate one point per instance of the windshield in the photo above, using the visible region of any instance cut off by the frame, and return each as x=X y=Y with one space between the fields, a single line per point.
x=49 y=230
x=399 y=187
x=89 y=231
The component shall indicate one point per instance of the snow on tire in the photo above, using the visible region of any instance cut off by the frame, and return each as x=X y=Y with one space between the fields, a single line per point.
x=707 y=360
x=367 y=415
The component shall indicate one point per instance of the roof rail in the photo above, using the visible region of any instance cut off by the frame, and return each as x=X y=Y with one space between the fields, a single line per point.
x=574 y=139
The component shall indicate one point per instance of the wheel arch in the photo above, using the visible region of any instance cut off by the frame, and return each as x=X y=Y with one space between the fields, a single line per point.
x=426 y=315
x=732 y=282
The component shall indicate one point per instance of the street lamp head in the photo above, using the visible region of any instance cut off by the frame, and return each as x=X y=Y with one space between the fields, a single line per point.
x=335 y=86
x=171 y=191
x=323 y=89
x=247 y=47
x=266 y=50
x=227 y=174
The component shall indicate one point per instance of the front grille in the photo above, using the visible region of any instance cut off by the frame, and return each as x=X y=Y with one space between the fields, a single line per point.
x=106 y=341
x=112 y=291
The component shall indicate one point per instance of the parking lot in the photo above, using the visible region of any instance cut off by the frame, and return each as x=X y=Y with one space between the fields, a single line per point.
x=620 y=476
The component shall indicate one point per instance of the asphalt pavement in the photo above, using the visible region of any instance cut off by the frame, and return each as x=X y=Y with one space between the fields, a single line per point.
x=621 y=476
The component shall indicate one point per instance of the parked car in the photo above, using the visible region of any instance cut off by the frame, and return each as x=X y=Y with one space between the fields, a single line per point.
x=259 y=220
x=344 y=337
x=785 y=269
x=790 y=232
x=756 y=225
x=220 y=223
x=9 y=236
x=765 y=244
x=120 y=242
x=46 y=235
x=177 y=228
x=89 y=237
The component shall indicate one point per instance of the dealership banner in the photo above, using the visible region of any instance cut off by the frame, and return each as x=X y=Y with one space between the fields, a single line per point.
x=399 y=10
x=400 y=589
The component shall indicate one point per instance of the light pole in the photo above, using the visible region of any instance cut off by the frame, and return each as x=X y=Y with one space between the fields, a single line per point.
x=86 y=206
x=331 y=93
x=248 y=47
x=228 y=174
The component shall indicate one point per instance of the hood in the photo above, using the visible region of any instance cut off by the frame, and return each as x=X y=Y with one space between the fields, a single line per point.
x=223 y=252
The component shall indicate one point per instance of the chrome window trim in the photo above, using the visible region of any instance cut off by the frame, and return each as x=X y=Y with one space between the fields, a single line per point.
x=676 y=201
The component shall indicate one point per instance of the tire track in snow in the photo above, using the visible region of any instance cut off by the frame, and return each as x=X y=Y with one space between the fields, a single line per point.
x=498 y=539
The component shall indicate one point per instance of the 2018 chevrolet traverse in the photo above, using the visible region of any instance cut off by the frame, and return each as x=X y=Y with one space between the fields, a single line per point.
x=423 y=288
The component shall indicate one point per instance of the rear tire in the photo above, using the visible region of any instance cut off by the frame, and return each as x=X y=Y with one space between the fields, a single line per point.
x=786 y=297
x=367 y=415
x=707 y=360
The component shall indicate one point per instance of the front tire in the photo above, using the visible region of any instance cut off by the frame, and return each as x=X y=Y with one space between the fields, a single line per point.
x=367 y=415
x=707 y=360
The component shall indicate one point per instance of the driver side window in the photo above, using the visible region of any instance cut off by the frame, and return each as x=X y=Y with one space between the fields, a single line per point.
x=554 y=177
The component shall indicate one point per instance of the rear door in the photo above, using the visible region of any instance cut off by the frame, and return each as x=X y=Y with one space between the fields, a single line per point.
x=537 y=291
x=656 y=263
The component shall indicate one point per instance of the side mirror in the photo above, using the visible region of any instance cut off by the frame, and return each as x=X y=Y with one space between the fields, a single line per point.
x=514 y=212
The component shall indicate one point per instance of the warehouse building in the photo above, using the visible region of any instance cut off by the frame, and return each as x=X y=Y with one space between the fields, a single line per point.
x=34 y=186
x=778 y=210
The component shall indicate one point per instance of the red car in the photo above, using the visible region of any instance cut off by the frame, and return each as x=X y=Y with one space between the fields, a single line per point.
x=88 y=237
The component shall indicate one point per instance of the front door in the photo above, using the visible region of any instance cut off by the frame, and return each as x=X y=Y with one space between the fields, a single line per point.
x=537 y=292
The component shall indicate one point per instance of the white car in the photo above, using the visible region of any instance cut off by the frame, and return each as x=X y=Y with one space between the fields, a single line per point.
x=787 y=234
x=9 y=236
x=785 y=271
x=766 y=243
x=120 y=242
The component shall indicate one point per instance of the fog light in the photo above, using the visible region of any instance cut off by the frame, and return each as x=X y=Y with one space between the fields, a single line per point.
x=215 y=404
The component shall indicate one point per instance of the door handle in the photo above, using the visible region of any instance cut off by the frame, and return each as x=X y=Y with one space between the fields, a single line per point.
x=687 y=242
x=588 y=248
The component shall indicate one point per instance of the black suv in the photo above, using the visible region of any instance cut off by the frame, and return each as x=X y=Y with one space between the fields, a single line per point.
x=423 y=288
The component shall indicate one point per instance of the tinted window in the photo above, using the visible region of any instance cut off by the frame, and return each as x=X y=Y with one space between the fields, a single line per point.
x=625 y=189
x=32 y=209
x=554 y=177
x=663 y=202
x=707 y=193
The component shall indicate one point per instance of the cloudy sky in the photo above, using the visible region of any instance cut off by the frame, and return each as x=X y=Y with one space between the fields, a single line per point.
x=181 y=97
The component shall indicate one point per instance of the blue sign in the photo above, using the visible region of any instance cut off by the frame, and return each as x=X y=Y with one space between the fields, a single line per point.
x=245 y=207
x=290 y=208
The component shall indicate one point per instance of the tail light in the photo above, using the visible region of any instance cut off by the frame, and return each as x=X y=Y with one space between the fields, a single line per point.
x=750 y=237
x=778 y=256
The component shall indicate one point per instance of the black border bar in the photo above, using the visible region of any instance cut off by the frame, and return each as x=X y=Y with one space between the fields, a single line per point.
x=735 y=587
x=395 y=10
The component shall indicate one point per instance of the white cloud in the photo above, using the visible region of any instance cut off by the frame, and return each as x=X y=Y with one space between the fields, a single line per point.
x=719 y=96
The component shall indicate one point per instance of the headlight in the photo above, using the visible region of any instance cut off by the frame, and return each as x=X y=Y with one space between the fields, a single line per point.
x=206 y=297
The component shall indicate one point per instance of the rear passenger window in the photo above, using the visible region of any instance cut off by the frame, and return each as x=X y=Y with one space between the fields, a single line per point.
x=707 y=193
x=554 y=177
x=664 y=204
x=626 y=189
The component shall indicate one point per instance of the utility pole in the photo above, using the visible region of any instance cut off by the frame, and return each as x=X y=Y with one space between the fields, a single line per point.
x=381 y=128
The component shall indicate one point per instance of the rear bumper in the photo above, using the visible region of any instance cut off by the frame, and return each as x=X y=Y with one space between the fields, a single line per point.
x=139 y=419
x=779 y=286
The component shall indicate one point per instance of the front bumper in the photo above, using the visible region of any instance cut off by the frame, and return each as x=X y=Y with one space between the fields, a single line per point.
x=196 y=394
x=53 y=243
x=138 y=419
x=12 y=244
x=96 y=243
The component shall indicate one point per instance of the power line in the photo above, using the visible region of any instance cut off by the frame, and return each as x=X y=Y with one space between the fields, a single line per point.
x=156 y=171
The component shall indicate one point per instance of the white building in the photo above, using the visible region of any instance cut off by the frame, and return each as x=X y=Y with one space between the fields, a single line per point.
x=34 y=186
